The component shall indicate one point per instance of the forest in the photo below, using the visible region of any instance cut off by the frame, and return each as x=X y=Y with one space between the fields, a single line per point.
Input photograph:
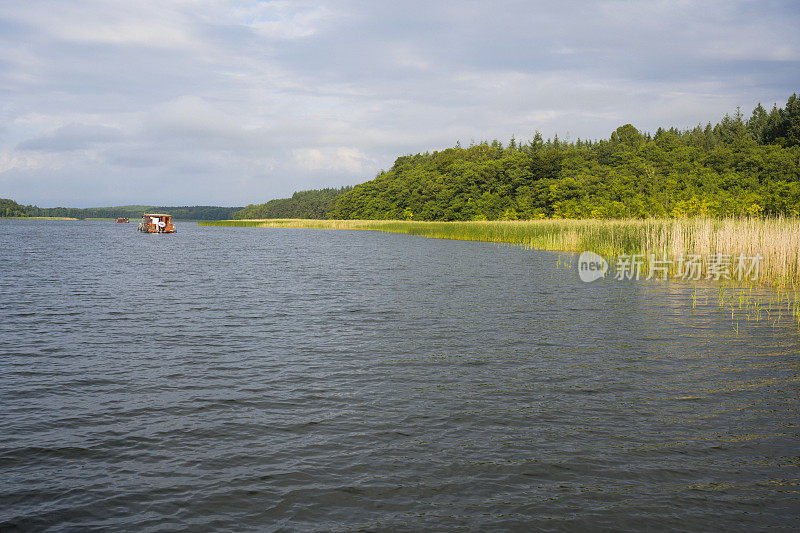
x=303 y=204
x=739 y=166
x=10 y=208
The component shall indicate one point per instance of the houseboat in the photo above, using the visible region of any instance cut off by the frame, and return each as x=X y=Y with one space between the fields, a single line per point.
x=157 y=223
x=122 y=221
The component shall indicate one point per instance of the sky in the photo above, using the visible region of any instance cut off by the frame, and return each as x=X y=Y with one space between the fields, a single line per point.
x=195 y=102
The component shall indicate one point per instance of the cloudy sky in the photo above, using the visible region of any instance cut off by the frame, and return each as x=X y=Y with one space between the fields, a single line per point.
x=234 y=102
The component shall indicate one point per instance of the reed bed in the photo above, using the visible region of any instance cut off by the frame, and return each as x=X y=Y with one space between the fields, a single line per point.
x=775 y=240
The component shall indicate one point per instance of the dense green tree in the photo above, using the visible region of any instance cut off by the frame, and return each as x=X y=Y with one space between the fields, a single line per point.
x=757 y=123
x=792 y=119
x=10 y=208
x=303 y=204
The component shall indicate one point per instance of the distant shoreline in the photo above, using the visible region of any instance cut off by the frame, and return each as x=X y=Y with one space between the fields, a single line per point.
x=99 y=219
x=38 y=218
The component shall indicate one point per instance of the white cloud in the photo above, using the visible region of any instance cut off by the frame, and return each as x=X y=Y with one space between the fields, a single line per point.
x=406 y=56
x=145 y=22
x=282 y=19
x=191 y=116
x=72 y=137
x=341 y=158
x=21 y=161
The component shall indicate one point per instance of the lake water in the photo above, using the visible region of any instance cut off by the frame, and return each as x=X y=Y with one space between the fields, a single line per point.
x=236 y=379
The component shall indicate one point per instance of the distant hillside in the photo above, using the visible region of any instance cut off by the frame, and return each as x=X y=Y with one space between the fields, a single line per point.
x=202 y=212
x=304 y=204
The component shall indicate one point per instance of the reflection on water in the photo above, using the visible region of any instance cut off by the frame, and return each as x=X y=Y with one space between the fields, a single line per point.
x=231 y=378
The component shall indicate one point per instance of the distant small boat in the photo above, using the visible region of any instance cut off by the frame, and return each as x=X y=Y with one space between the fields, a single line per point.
x=157 y=223
x=122 y=221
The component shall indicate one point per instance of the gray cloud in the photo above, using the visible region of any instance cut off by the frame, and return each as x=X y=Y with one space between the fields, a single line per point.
x=236 y=102
x=72 y=137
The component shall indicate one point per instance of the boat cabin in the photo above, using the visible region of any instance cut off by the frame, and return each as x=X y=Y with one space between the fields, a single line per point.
x=156 y=223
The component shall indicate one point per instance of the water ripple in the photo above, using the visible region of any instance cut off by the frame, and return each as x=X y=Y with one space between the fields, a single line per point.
x=238 y=379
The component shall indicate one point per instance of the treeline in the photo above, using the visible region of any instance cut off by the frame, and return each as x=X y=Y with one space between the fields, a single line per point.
x=9 y=208
x=303 y=204
x=736 y=167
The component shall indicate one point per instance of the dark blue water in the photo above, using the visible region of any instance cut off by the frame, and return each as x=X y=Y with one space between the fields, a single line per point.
x=236 y=379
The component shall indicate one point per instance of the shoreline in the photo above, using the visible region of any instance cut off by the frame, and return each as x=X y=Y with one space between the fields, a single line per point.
x=38 y=218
